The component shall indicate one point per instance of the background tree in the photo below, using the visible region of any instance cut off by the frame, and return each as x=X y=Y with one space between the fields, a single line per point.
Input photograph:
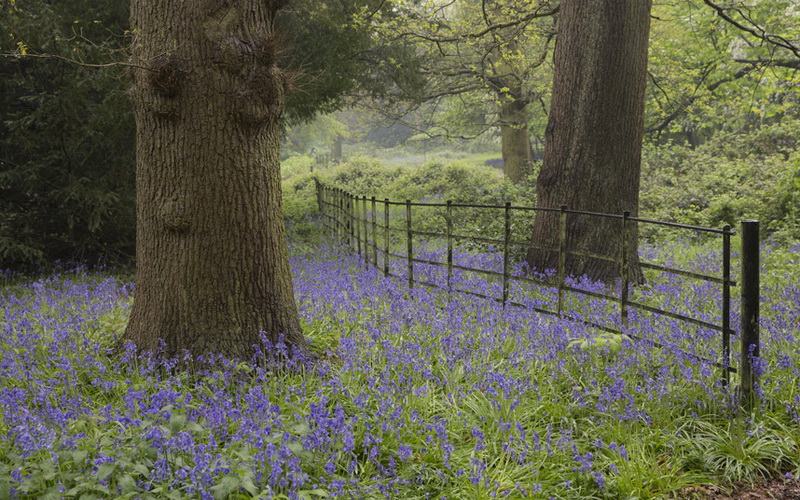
x=593 y=141
x=477 y=51
x=66 y=135
x=708 y=75
x=332 y=58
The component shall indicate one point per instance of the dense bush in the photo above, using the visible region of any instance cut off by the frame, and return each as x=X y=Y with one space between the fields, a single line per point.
x=66 y=137
x=431 y=182
x=730 y=178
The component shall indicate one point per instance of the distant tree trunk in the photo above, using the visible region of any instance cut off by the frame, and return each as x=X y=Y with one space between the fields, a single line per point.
x=212 y=260
x=515 y=143
x=594 y=133
x=336 y=150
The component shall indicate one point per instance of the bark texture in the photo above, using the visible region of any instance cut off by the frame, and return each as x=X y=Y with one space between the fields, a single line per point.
x=212 y=261
x=515 y=142
x=593 y=141
x=336 y=150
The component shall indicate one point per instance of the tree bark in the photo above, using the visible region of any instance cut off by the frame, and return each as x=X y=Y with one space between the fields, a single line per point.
x=212 y=261
x=514 y=140
x=593 y=141
x=336 y=149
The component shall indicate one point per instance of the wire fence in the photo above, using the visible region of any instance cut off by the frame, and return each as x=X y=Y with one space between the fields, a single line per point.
x=379 y=230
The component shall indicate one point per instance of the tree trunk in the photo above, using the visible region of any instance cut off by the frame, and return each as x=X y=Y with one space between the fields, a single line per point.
x=515 y=143
x=336 y=150
x=212 y=261
x=593 y=140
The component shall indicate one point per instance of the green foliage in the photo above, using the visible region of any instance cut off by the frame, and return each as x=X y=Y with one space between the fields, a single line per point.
x=66 y=136
x=707 y=75
x=332 y=56
x=67 y=130
x=608 y=342
x=436 y=182
x=730 y=178
x=475 y=56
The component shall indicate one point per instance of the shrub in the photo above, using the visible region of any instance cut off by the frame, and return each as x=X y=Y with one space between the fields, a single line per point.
x=730 y=178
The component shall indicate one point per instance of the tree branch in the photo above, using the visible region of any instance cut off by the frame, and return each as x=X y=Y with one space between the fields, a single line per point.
x=755 y=29
x=73 y=61
x=516 y=22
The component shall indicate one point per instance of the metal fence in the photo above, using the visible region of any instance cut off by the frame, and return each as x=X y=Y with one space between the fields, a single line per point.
x=356 y=221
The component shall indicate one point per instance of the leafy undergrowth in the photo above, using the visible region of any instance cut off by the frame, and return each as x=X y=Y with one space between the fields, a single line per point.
x=420 y=395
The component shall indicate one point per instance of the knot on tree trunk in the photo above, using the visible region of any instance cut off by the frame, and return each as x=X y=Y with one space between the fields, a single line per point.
x=164 y=75
x=238 y=55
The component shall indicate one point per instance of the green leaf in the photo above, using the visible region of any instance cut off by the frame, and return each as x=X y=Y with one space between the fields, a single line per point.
x=105 y=470
x=226 y=486
x=52 y=494
x=311 y=494
x=79 y=456
x=177 y=421
x=126 y=483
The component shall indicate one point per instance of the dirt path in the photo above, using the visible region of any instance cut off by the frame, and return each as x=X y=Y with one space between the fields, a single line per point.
x=773 y=489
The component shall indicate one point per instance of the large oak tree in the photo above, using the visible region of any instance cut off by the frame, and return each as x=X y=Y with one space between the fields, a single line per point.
x=212 y=261
x=593 y=139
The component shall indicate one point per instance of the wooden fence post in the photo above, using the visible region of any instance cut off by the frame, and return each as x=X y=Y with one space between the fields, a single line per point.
x=562 y=257
x=410 y=245
x=506 y=241
x=750 y=313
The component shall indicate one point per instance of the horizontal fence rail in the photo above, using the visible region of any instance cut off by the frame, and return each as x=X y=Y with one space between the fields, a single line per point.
x=356 y=221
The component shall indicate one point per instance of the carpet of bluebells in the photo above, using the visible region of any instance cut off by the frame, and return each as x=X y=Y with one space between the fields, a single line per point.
x=417 y=394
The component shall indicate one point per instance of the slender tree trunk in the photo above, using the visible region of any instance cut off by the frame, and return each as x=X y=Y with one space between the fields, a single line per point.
x=212 y=261
x=336 y=150
x=515 y=143
x=594 y=133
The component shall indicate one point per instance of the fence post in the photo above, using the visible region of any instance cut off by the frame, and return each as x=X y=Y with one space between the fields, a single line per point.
x=726 y=304
x=750 y=313
x=351 y=218
x=374 y=233
x=337 y=209
x=386 y=237
x=506 y=241
x=449 y=220
x=342 y=222
x=318 y=187
x=364 y=216
x=410 y=245
x=623 y=293
x=320 y=208
x=357 y=225
x=562 y=257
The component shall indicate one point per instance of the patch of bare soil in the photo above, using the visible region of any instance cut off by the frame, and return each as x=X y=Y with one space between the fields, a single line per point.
x=772 y=489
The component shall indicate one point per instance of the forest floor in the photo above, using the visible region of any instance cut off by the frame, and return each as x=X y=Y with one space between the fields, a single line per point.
x=777 y=488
